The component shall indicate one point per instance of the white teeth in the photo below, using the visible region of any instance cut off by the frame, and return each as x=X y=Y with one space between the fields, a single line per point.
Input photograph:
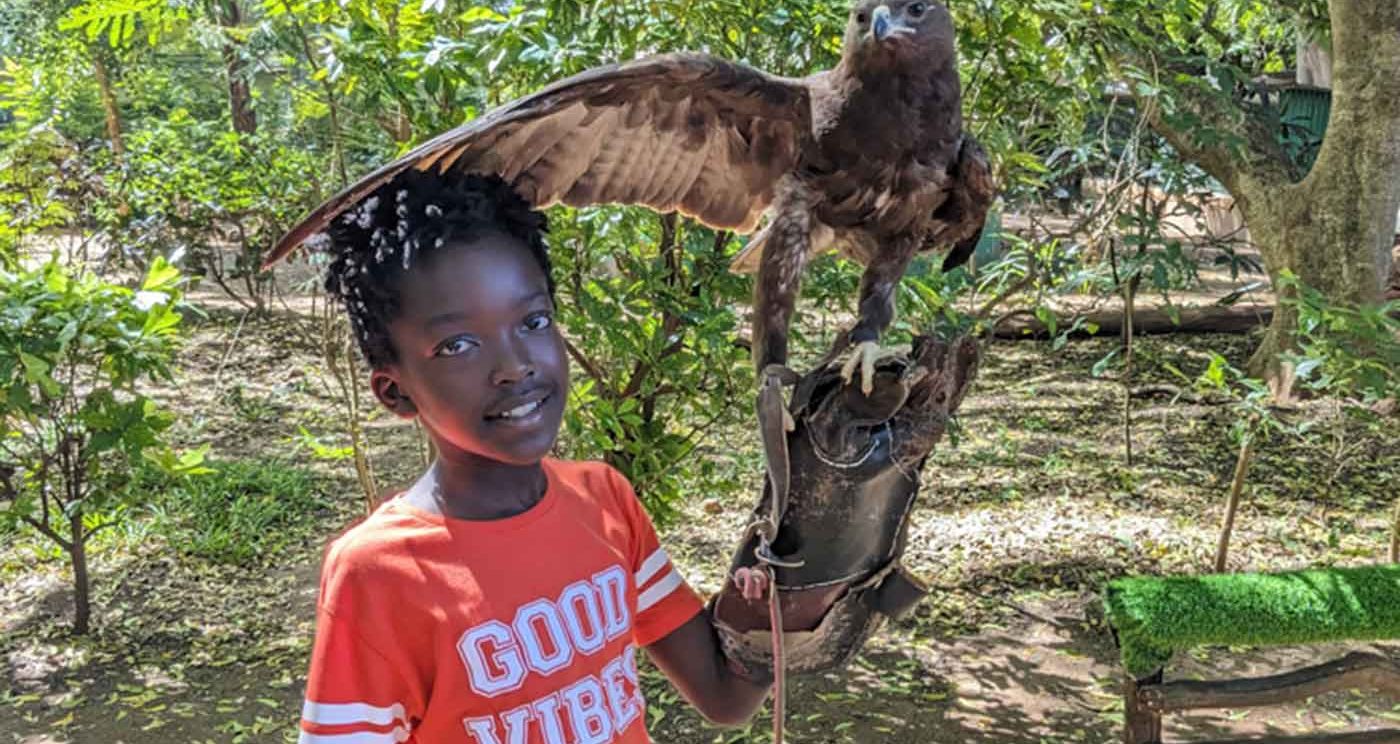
x=523 y=410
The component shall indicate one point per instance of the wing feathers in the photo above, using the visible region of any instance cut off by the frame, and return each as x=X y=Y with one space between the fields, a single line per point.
x=535 y=139
x=687 y=131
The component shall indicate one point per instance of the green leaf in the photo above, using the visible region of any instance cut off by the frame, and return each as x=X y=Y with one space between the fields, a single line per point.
x=36 y=371
x=162 y=277
x=1103 y=363
x=1048 y=318
x=189 y=462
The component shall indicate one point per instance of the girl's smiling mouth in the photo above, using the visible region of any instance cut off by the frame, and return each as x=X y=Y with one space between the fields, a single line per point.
x=522 y=409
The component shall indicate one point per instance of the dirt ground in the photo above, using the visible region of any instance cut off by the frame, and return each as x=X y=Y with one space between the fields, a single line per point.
x=1020 y=524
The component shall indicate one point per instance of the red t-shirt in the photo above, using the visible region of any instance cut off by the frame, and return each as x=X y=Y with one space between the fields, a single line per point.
x=432 y=629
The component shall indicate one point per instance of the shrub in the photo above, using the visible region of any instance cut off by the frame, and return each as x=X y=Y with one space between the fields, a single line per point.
x=72 y=423
x=1351 y=351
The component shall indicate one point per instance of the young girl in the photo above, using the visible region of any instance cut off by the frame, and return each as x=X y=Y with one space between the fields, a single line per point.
x=502 y=598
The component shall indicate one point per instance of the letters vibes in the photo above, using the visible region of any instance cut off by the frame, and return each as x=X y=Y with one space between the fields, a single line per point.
x=545 y=637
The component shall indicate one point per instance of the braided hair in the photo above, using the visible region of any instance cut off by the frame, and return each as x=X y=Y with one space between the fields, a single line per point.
x=374 y=244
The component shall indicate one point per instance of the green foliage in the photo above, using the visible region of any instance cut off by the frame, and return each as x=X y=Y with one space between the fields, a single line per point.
x=1158 y=616
x=31 y=191
x=217 y=197
x=651 y=318
x=72 y=422
x=340 y=86
x=118 y=20
x=1344 y=350
x=1250 y=398
x=71 y=351
x=240 y=512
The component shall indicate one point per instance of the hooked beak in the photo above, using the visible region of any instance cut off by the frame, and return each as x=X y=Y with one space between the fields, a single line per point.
x=880 y=24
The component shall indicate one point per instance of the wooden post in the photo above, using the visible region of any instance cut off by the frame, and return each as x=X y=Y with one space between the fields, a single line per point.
x=1141 y=725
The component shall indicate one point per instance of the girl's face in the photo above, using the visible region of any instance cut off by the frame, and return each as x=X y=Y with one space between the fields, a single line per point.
x=480 y=361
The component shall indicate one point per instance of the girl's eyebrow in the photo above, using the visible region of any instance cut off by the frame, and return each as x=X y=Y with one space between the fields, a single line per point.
x=457 y=315
x=446 y=318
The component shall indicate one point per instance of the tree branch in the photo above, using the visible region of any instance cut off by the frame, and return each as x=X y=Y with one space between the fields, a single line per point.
x=48 y=532
x=1243 y=154
x=99 y=528
x=589 y=368
x=670 y=249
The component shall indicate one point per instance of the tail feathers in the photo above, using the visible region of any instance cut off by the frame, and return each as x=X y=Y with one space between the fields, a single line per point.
x=961 y=252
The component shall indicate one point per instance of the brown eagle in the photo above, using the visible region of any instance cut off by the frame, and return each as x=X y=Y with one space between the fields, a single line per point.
x=869 y=158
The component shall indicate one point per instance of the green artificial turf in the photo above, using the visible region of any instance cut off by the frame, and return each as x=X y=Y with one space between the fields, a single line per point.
x=1156 y=616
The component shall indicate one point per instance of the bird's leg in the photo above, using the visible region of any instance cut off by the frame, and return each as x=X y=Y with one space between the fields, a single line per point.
x=875 y=311
x=775 y=294
x=779 y=280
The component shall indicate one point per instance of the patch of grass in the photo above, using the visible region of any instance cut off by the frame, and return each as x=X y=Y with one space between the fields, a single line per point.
x=1156 y=616
x=244 y=512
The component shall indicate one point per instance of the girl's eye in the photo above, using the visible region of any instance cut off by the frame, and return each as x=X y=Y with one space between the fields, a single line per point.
x=539 y=322
x=454 y=347
x=917 y=9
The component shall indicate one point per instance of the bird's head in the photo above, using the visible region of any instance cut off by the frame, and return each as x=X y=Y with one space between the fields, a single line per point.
x=885 y=35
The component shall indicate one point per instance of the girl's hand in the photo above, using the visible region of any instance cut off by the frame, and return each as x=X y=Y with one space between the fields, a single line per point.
x=752 y=583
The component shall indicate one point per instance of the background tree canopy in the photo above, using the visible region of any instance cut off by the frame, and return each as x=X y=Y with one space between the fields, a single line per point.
x=199 y=130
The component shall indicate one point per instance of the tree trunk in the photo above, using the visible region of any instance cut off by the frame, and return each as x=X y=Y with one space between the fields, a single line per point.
x=240 y=99
x=1334 y=228
x=109 y=105
x=82 y=602
x=1227 y=527
x=1395 y=535
x=1314 y=64
x=1146 y=322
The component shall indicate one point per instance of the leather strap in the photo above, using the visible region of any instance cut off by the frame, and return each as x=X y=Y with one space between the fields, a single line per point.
x=897 y=594
x=773 y=420
x=775 y=622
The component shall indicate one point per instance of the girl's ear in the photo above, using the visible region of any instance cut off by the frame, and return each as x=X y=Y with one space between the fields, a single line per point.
x=386 y=388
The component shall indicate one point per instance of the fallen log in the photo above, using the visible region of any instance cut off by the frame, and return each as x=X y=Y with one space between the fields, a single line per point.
x=1207 y=319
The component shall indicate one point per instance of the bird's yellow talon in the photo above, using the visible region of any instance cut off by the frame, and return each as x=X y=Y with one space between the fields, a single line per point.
x=863 y=357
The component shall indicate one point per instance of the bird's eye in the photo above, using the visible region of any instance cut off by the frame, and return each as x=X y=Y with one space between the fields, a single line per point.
x=861 y=18
x=539 y=321
x=455 y=346
x=917 y=9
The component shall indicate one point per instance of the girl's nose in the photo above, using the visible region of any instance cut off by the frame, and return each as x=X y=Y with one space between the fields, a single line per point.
x=512 y=366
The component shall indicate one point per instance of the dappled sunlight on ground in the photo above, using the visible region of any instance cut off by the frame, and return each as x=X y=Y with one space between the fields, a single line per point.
x=1018 y=526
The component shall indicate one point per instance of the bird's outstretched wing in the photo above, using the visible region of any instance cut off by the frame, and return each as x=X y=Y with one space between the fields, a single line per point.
x=965 y=210
x=679 y=132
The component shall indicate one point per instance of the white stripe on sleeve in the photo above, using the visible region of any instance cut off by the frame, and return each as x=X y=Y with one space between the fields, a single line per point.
x=654 y=562
x=659 y=590
x=340 y=714
x=360 y=737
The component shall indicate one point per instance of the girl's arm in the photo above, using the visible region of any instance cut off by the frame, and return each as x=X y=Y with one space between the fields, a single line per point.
x=691 y=658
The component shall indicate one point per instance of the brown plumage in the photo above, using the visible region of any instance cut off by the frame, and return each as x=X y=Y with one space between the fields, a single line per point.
x=869 y=158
